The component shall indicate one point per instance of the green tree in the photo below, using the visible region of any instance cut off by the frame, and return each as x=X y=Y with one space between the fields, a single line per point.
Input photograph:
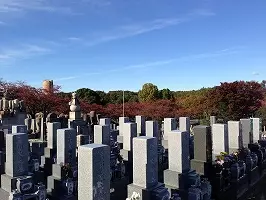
x=165 y=94
x=116 y=97
x=149 y=92
x=103 y=98
x=88 y=95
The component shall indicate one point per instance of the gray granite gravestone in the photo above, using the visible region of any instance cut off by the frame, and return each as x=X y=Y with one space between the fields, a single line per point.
x=122 y=121
x=102 y=134
x=179 y=177
x=66 y=146
x=19 y=129
x=52 y=134
x=145 y=170
x=105 y=121
x=184 y=124
x=169 y=125
x=129 y=132
x=220 y=141
x=212 y=120
x=28 y=123
x=178 y=155
x=203 y=146
x=16 y=154
x=33 y=125
x=82 y=140
x=47 y=160
x=246 y=131
x=16 y=174
x=256 y=129
x=234 y=136
x=152 y=129
x=60 y=185
x=140 y=120
x=94 y=172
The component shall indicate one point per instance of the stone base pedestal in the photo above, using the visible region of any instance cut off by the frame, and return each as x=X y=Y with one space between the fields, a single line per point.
x=57 y=190
x=49 y=153
x=157 y=192
x=37 y=148
x=127 y=155
x=201 y=167
x=181 y=181
x=8 y=183
x=165 y=144
x=4 y=194
x=120 y=138
x=74 y=116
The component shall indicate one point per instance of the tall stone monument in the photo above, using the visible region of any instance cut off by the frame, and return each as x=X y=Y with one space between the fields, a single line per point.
x=220 y=142
x=94 y=172
x=152 y=129
x=16 y=183
x=246 y=131
x=140 y=120
x=61 y=185
x=184 y=124
x=75 y=118
x=169 y=125
x=256 y=129
x=102 y=134
x=122 y=121
x=234 y=136
x=145 y=170
x=202 y=158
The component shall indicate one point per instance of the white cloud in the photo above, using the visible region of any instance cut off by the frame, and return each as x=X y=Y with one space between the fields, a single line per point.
x=74 y=39
x=21 y=52
x=145 y=27
x=157 y=63
x=255 y=73
x=2 y=23
x=63 y=7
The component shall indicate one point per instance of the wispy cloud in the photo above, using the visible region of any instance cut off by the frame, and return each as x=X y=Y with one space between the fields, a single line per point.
x=74 y=39
x=145 y=27
x=255 y=73
x=63 y=7
x=2 y=23
x=21 y=52
x=222 y=52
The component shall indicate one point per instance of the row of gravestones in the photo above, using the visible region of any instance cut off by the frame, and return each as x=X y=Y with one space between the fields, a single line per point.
x=140 y=152
x=65 y=154
x=38 y=125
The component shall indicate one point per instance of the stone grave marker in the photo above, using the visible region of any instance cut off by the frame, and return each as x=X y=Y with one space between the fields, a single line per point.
x=256 y=129
x=203 y=157
x=234 y=136
x=145 y=170
x=94 y=172
x=140 y=120
x=220 y=142
x=246 y=131
x=102 y=134
x=184 y=124
x=19 y=129
x=152 y=129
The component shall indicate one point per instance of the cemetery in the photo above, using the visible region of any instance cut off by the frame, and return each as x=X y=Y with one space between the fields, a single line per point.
x=84 y=156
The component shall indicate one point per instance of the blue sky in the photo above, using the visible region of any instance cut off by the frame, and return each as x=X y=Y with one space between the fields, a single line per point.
x=122 y=44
